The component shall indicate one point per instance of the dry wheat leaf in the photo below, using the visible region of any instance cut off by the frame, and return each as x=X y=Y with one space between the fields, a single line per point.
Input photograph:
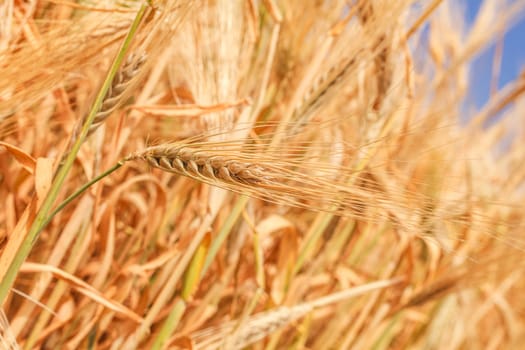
x=183 y=342
x=28 y=162
x=273 y=223
x=188 y=110
x=161 y=260
x=83 y=288
x=16 y=238
x=43 y=178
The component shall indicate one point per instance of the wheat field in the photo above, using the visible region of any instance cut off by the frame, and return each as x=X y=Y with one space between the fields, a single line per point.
x=258 y=174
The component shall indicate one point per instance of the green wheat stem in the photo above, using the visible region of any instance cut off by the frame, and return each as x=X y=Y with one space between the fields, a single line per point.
x=169 y=325
x=81 y=190
x=224 y=232
x=41 y=218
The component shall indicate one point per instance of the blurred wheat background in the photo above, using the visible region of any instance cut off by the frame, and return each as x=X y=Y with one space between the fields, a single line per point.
x=263 y=174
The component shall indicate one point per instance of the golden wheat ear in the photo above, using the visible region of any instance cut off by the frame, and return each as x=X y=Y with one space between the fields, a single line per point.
x=205 y=166
x=265 y=176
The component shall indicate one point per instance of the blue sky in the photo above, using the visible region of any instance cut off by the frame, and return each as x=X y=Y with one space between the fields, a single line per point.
x=513 y=59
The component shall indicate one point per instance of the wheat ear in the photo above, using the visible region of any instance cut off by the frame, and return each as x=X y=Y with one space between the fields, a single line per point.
x=320 y=90
x=270 y=178
x=120 y=83
x=204 y=166
x=240 y=334
x=122 y=80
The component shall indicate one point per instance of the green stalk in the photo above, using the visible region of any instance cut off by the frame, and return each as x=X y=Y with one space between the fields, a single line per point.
x=41 y=218
x=224 y=232
x=169 y=325
x=81 y=190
